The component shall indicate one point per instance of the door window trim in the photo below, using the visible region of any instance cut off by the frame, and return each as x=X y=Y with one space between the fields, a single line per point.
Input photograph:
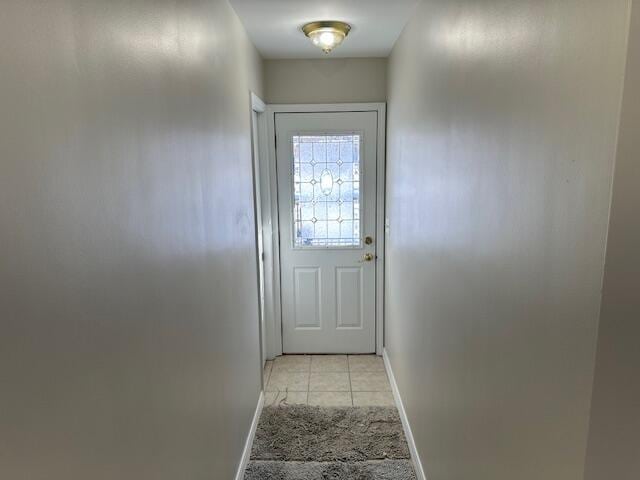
x=362 y=206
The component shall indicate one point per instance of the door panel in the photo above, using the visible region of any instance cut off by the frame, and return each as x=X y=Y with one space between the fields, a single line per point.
x=326 y=168
x=306 y=292
x=349 y=297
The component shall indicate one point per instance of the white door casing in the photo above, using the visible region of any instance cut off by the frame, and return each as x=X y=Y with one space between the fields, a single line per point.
x=326 y=176
x=259 y=227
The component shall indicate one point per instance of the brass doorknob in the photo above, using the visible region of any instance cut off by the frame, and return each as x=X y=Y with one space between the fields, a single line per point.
x=367 y=257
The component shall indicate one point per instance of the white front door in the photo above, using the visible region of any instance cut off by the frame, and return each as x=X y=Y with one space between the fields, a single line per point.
x=326 y=167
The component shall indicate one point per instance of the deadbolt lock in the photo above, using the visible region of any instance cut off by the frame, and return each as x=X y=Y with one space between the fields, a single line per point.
x=368 y=240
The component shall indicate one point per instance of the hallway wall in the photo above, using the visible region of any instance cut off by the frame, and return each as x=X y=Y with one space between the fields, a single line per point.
x=332 y=80
x=502 y=131
x=128 y=306
x=614 y=434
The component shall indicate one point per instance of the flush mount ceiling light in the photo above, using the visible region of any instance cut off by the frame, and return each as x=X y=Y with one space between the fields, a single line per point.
x=326 y=34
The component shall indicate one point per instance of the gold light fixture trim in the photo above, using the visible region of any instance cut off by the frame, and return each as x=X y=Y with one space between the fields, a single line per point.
x=327 y=34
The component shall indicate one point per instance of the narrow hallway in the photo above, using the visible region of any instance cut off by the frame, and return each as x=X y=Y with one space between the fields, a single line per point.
x=302 y=240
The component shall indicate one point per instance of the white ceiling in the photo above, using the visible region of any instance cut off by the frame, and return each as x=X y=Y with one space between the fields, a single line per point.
x=274 y=25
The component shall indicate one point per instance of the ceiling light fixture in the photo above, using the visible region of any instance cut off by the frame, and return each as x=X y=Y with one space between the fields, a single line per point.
x=326 y=34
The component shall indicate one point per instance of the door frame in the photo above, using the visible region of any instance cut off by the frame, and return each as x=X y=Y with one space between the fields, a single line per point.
x=258 y=126
x=269 y=194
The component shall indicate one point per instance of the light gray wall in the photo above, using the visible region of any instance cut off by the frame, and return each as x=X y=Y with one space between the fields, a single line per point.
x=331 y=80
x=128 y=314
x=502 y=132
x=614 y=436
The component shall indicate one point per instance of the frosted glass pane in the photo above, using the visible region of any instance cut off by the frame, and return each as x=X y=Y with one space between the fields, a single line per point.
x=333 y=152
x=346 y=228
x=346 y=152
x=346 y=211
x=321 y=231
x=346 y=191
x=321 y=211
x=326 y=185
x=346 y=172
x=334 y=168
x=306 y=172
x=333 y=210
x=306 y=230
x=306 y=152
x=306 y=211
x=319 y=152
x=306 y=192
x=334 y=230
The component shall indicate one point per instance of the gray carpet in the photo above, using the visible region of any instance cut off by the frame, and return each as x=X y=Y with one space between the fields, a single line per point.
x=371 y=470
x=329 y=443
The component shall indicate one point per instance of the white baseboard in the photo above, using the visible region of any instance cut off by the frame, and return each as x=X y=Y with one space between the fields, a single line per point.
x=246 y=453
x=417 y=464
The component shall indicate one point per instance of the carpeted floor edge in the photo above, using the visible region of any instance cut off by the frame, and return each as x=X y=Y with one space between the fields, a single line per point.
x=367 y=470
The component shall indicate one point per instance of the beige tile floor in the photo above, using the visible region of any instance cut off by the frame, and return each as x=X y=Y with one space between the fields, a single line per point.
x=327 y=380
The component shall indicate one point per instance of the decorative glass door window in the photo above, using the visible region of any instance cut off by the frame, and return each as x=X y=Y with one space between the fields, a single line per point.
x=326 y=186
